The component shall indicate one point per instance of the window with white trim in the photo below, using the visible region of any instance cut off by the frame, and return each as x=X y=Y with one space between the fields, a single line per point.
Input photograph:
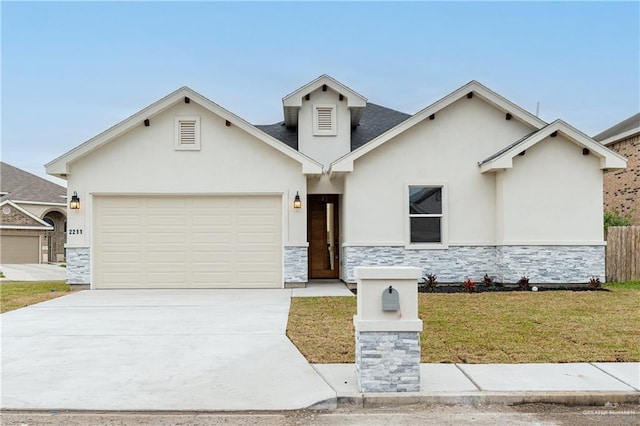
x=425 y=214
x=324 y=120
x=187 y=133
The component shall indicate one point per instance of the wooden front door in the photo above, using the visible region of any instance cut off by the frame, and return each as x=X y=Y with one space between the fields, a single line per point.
x=322 y=230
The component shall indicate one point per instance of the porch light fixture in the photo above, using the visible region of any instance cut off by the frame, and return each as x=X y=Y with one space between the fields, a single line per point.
x=74 y=204
x=296 y=201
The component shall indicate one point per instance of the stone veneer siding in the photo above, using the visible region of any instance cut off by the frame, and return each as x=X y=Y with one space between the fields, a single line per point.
x=551 y=264
x=542 y=264
x=296 y=264
x=388 y=361
x=622 y=187
x=78 y=265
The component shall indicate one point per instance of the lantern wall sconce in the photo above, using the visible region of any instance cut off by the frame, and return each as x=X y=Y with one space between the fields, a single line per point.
x=74 y=204
x=297 y=203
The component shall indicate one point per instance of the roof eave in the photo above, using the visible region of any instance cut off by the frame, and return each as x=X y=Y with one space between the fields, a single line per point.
x=609 y=160
x=615 y=138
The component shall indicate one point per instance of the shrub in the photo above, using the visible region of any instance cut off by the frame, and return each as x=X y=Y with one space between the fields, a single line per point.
x=487 y=281
x=469 y=286
x=615 y=218
x=523 y=283
x=430 y=282
x=594 y=282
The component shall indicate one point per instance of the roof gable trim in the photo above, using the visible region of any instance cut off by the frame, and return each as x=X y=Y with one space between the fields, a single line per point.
x=44 y=225
x=59 y=166
x=504 y=159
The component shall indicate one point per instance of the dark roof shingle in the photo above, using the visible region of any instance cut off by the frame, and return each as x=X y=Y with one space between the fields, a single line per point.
x=375 y=121
x=24 y=186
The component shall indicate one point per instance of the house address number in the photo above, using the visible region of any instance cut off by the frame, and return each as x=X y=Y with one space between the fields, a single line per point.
x=75 y=231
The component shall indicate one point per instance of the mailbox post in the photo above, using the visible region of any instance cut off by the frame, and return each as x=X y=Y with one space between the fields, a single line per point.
x=387 y=329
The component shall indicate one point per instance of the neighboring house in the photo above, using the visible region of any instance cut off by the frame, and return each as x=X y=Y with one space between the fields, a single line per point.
x=34 y=218
x=622 y=187
x=185 y=194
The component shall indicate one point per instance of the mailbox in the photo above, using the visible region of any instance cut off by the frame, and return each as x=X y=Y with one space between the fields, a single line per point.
x=390 y=299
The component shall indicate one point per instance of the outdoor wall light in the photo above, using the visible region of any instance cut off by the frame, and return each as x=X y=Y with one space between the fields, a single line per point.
x=74 y=204
x=296 y=201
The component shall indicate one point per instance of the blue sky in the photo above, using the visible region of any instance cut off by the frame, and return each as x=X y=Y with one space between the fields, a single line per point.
x=71 y=70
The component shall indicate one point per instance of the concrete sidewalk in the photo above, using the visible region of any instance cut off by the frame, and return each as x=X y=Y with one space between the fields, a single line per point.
x=505 y=384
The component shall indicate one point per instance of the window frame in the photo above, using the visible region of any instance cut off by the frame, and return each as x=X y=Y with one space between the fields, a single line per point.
x=443 y=215
x=178 y=145
x=334 y=122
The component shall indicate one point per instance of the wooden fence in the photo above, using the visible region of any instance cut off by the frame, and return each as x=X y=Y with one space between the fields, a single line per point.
x=623 y=253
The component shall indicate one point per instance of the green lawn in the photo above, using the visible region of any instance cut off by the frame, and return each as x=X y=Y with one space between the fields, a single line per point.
x=15 y=295
x=515 y=327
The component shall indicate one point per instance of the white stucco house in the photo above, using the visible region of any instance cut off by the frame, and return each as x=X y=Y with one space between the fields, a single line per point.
x=185 y=194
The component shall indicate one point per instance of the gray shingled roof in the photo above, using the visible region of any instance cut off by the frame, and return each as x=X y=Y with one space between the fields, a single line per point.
x=24 y=186
x=375 y=121
x=623 y=126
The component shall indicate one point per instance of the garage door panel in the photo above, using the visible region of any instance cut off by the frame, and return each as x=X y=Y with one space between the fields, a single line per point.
x=19 y=249
x=216 y=239
x=188 y=242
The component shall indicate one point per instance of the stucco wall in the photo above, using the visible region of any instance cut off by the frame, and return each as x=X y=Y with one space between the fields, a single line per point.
x=144 y=161
x=446 y=151
x=622 y=187
x=552 y=195
x=324 y=149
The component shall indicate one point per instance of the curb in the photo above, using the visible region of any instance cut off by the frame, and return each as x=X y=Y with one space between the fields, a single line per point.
x=593 y=398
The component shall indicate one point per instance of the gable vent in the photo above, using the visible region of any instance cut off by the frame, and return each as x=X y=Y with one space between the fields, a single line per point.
x=325 y=120
x=187 y=133
x=325 y=123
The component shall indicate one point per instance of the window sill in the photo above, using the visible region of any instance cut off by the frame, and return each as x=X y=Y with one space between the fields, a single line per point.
x=426 y=246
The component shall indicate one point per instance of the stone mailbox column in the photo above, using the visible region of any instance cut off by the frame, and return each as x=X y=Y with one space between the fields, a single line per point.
x=387 y=341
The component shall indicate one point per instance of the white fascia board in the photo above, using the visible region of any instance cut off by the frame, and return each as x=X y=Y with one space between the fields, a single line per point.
x=60 y=166
x=345 y=163
x=620 y=136
x=28 y=213
x=39 y=203
x=608 y=158
x=354 y=99
x=27 y=227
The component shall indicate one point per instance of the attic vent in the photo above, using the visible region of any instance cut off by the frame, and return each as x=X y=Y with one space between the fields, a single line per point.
x=187 y=133
x=324 y=120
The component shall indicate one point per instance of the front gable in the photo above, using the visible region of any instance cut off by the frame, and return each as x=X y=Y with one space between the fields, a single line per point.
x=469 y=91
x=145 y=118
x=15 y=217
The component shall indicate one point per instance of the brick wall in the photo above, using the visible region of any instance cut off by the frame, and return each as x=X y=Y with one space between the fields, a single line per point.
x=622 y=187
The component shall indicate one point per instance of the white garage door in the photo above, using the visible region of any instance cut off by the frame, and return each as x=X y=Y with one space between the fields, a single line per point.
x=187 y=242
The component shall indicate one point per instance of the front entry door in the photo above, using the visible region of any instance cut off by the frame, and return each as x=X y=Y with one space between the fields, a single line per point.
x=322 y=230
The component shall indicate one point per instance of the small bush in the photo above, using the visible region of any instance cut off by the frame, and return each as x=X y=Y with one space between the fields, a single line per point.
x=430 y=282
x=469 y=286
x=594 y=282
x=615 y=218
x=523 y=283
x=487 y=281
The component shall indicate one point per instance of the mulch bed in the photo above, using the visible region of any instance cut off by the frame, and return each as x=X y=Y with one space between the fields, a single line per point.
x=459 y=288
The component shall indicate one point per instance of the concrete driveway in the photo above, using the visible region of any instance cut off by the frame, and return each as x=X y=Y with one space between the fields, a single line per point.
x=34 y=272
x=157 y=350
